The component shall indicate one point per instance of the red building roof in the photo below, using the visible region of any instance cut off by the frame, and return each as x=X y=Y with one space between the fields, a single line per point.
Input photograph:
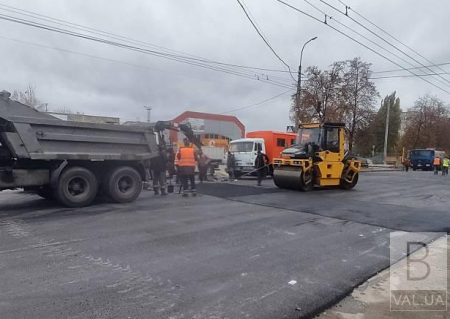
x=208 y=116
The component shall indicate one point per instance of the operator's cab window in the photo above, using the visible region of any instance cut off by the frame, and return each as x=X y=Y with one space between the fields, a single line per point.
x=331 y=139
x=258 y=147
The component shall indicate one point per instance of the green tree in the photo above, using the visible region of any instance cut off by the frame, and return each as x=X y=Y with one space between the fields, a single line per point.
x=394 y=123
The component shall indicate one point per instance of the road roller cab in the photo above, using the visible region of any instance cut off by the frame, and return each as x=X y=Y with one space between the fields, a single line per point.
x=317 y=158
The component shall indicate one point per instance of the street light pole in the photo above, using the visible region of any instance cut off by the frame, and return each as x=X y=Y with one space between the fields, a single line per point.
x=386 y=133
x=299 y=87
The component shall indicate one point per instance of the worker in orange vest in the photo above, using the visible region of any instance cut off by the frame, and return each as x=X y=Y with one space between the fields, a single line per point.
x=186 y=168
x=436 y=165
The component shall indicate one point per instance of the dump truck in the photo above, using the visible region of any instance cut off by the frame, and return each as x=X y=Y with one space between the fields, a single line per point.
x=318 y=158
x=71 y=162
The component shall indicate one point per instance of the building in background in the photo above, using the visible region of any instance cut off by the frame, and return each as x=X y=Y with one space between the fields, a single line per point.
x=86 y=118
x=212 y=129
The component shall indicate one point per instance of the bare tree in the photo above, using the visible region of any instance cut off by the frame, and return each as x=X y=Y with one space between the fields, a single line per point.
x=428 y=124
x=28 y=98
x=359 y=97
x=321 y=95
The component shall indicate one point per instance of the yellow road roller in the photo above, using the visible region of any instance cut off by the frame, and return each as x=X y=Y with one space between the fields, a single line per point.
x=318 y=158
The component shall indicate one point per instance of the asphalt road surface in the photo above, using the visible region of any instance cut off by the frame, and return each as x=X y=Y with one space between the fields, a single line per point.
x=235 y=251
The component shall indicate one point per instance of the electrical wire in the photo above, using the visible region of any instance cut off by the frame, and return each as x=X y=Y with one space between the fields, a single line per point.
x=419 y=67
x=403 y=76
x=381 y=47
x=141 y=50
x=393 y=37
x=258 y=103
x=265 y=40
x=359 y=42
x=110 y=60
x=127 y=39
x=380 y=37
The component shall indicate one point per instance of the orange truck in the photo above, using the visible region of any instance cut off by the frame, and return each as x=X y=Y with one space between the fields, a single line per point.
x=271 y=143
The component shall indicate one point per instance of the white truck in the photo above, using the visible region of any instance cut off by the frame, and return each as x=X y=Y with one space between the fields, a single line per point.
x=271 y=143
x=245 y=151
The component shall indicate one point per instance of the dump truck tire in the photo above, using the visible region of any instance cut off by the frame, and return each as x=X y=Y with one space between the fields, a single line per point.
x=77 y=187
x=347 y=185
x=123 y=184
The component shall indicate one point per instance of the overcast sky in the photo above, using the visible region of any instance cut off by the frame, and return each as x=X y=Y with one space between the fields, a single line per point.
x=216 y=30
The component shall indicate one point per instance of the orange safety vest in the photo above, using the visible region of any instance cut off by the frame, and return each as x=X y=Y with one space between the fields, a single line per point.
x=187 y=157
x=437 y=161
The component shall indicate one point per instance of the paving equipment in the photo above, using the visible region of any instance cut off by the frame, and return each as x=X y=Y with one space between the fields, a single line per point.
x=71 y=161
x=317 y=158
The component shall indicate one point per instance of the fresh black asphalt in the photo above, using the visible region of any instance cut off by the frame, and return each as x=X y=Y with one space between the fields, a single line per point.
x=238 y=252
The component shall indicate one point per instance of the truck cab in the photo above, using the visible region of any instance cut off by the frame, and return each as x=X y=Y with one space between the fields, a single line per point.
x=245 y=151
x=423 y=158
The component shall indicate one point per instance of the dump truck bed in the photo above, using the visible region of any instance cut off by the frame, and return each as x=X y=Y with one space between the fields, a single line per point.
x=29 y=134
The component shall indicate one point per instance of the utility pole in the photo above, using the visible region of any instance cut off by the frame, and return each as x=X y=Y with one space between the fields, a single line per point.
x=149 y=112
x=386 y=133
x=299 y=87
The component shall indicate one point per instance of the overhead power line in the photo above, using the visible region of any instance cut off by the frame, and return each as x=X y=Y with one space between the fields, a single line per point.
x=258 y=103
x=393 y=37
x=404 y=76
x=122 y=38
x=358 y=42
x=379 y=46
x=381 y=38
x=160 y=54
x=265 y=40
x=112 y=60
x=419 y=67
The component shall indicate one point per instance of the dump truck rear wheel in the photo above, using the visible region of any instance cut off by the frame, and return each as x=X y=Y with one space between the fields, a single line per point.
x=77 y=187
x=123 y=184
x=347 y=185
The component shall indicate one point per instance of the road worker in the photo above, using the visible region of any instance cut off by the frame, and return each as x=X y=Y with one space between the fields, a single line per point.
x=203 y=164
x=186 y=168
x=436 y=165
x=158 y=168
x=262 y=162
x=231 y=166
x=445 y=164
x=406 y=164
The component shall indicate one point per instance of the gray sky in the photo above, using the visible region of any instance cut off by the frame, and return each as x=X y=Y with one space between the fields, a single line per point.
x=216 y=30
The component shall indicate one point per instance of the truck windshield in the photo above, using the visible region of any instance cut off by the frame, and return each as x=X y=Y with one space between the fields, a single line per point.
x=241 y=147
x=422 y=153
x=308 y=135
